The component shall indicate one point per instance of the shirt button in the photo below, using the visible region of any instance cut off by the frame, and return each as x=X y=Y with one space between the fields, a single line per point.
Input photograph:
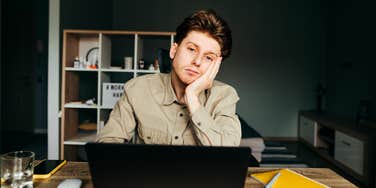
x=176 y=137
x=199 y=123
x=181 y=114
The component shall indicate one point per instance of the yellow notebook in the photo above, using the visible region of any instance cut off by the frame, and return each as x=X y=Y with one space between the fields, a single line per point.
x=288 y=178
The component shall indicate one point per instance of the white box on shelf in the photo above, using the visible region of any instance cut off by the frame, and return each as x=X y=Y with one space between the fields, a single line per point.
x=111 y=94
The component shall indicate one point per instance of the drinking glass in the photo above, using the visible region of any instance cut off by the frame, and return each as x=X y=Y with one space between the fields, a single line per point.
x=17 y=169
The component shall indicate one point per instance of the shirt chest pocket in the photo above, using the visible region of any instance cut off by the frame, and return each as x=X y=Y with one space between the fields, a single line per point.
x=153 y=136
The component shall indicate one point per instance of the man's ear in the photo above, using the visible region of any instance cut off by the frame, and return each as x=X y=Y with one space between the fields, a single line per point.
x=173 y=50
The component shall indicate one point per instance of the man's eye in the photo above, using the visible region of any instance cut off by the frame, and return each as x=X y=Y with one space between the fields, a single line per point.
x=191 y=49
x=208 y=58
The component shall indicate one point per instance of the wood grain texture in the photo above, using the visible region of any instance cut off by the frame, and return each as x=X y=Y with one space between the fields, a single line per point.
x=81 y=171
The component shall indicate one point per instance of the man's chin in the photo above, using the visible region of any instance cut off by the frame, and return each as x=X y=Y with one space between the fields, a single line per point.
x=188 y=81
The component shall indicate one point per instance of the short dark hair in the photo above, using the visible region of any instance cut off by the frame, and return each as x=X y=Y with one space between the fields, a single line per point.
x=209 y=22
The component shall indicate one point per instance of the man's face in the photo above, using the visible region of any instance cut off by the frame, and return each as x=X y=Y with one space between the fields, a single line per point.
x=192 y=57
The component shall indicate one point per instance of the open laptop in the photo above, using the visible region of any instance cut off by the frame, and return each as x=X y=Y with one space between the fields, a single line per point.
x=129 y=165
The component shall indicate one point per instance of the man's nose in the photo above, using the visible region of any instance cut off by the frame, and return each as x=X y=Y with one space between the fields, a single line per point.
x=197 y=60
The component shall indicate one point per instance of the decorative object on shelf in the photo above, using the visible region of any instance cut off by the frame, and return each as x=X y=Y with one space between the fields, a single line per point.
x=151 y=67
x=156 y=64
x=76 y=63
x=82 y=63
x=111 y=93
x=90 y=101
x=141 y=64
x=92 y=58
x=128 y=63
x=87 y=102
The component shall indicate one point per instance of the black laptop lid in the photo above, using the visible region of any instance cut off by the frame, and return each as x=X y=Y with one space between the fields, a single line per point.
x=129 y=165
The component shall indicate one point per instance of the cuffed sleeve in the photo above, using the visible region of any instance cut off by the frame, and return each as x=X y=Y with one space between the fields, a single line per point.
x=222 y=128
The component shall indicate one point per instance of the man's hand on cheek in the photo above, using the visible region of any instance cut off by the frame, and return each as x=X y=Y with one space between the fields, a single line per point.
x=200 y=84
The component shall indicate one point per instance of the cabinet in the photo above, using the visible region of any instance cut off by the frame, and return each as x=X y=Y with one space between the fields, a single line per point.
x=308 y=130
x=347 y=146
x=349 y=151
x=105 y=51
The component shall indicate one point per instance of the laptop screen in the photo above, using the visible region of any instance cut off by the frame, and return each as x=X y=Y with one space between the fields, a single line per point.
x=129 y=165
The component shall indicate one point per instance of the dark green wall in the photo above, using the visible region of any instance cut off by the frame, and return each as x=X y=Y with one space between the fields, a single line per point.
x=18 y=67
x=281 y=50
x=86 y=14
x=24 y=65
x=277 y=52
x=351 y=62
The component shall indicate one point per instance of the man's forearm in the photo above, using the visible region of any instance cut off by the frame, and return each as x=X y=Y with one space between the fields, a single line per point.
x=192 y=101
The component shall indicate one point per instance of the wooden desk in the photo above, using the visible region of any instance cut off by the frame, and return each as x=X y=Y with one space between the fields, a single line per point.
x=81 y=171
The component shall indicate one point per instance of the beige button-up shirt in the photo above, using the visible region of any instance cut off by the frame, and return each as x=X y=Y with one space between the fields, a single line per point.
x=149 y=112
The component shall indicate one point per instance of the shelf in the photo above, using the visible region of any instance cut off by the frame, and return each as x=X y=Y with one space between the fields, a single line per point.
x=80 y=105
x=326 y=139
x=79 y=69
x=84 y=83
x=147 y=71
x=130 y=70
x=118 y=70
x=106 y=107
x=81 y=139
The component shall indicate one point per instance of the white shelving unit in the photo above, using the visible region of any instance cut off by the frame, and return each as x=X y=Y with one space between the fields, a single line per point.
x=79 y=84
x=79 y=105
x=80 y=69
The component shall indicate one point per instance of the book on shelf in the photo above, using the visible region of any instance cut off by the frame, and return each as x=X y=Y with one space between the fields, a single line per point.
x=287 y=178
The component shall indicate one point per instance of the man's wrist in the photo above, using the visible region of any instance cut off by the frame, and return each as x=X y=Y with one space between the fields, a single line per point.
x=193 y=102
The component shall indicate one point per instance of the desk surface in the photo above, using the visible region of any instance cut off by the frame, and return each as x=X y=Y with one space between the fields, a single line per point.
x=81 y=171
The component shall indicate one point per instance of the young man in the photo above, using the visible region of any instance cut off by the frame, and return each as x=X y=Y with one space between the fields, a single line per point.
x=186 y=106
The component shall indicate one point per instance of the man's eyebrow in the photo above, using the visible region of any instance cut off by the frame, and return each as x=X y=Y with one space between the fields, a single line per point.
x=193 y=44
x=206 y=53
x=212 y=53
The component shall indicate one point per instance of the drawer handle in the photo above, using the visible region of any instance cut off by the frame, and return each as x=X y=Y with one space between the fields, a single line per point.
x=346 y=143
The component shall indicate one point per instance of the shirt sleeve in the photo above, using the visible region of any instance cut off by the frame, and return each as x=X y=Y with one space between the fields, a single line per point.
x=121 y=123
x=222 y=127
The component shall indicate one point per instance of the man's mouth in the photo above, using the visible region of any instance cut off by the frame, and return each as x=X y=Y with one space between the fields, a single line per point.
x=191 y=71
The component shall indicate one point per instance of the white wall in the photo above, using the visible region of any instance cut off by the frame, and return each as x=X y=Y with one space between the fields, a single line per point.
x=53 y=79
x=1 y=102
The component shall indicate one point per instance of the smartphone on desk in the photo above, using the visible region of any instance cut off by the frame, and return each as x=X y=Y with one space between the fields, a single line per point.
x=46 y=168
